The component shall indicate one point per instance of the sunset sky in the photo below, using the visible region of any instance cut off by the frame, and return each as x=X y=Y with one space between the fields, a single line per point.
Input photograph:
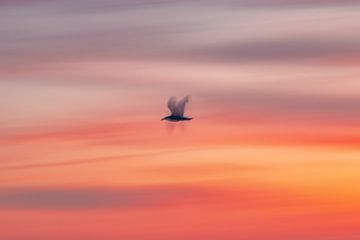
x=271 y=154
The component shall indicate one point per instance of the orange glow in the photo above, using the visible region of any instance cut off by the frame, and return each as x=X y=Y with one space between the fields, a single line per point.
x=271 y=154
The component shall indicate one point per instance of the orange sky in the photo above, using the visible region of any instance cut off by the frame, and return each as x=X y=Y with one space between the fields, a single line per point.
x=272 y=152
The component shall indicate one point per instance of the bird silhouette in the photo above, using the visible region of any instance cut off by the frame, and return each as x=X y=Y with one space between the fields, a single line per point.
x=177 y=109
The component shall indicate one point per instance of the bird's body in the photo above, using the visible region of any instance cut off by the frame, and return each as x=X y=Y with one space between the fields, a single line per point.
x=176 y=118
x=177 y=109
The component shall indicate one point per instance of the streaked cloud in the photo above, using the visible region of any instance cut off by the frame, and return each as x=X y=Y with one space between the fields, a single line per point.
x=141 y=197
x=278 y=51
x=78 y=161
x=96 y=30
x=37 y=199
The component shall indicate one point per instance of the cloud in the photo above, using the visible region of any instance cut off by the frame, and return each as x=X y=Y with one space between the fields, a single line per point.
x=203 y=170
x=287 y=3
x=46 y=198
x=287 y=102
x=93 y=198
x=125 y=29
x=145 y=197
x=281 y=50
x=90 y=160
x=141 y=3
x=73 y=162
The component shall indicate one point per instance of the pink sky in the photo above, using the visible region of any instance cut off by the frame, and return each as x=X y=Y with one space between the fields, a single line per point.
x=272 y=152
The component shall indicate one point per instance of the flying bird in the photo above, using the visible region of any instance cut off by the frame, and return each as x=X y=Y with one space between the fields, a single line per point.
x=177 y=109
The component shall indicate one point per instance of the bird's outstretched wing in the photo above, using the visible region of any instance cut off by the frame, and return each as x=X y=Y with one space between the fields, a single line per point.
x=181 y=105
x=172 y=105
x=177 y=108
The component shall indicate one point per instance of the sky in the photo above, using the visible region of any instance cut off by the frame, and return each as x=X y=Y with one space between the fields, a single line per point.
x=271 y=154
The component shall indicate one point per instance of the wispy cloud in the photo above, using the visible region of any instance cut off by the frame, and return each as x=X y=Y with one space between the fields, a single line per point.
x=42 y=198
x=281 y=50
x=90 y=160
x=145 y=197
x=122 y=29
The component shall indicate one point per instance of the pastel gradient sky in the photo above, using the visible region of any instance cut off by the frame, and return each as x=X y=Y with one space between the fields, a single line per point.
x=272 y=152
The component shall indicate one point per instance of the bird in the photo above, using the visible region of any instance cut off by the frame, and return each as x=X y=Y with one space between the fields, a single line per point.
x=177 y=109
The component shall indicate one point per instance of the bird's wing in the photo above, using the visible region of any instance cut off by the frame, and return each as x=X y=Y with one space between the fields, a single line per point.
x=181 y=106
x=173 y=107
